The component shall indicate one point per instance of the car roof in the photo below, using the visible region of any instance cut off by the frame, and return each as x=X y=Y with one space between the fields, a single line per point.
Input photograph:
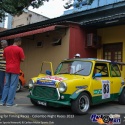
x=88 y=59
x=95 y=59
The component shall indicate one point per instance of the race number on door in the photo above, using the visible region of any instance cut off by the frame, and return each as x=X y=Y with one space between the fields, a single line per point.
x=105 y=89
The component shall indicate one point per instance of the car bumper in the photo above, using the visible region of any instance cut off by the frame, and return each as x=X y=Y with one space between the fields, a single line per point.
x=60 y=102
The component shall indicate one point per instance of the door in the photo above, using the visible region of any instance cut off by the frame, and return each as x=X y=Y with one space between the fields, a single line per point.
x=102 y=86
x=115 y=79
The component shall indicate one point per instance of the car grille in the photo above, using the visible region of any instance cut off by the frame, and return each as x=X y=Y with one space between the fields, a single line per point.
x=45 y=92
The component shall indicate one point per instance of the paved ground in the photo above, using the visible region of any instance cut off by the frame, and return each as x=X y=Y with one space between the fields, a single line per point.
x=65 y=115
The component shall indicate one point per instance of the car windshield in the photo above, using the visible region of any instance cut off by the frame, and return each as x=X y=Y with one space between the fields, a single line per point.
x=74 y=67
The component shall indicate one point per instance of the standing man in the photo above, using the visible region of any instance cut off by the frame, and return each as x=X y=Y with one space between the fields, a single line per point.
x=13 y=55
x=2 y=66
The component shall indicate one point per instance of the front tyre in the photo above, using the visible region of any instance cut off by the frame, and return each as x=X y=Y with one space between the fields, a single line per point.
x=82 y=104
x=121 y=98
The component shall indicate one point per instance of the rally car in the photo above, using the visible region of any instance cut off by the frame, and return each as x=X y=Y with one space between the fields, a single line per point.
x=78 y=83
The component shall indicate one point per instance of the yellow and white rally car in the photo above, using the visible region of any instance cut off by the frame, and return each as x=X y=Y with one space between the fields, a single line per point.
x=78 y=83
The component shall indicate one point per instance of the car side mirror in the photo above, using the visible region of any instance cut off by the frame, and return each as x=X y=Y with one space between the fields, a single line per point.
x=48 y=72
x=98 y=75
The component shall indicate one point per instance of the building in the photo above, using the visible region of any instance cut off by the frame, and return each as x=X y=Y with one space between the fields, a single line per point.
x=26 y=18
x=2 y=29
x=2 y=24
x=84 y=6
x=50 y=43
x=10 y=19
x=96 y=32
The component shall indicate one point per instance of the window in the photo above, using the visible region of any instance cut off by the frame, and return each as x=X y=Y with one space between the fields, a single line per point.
x=118 y=56
x=113 y=52
x=74 y=67
x=114 y=70
x=107 y=55
x=101 y=68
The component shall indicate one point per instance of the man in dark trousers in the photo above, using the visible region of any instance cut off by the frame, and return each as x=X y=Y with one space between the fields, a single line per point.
x=13 y=55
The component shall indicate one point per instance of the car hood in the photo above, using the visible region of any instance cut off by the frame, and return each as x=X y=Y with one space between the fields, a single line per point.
x=67 y=78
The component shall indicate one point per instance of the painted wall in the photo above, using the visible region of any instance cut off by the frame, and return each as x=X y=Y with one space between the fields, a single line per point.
x=113 y=35
x=77 y=43
x=35 y=55
x=73 y=41
x=20 y=20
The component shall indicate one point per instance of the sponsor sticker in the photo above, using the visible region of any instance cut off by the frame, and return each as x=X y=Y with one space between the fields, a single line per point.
x=98 y=91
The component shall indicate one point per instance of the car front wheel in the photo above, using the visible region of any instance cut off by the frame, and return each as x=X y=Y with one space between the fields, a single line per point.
x=82 y=104
x=121 y=98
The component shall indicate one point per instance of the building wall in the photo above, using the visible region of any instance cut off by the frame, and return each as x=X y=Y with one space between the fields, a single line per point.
x=35 y=55
x=77 y=43
x=73 y=41
x=2 y=24
x=36 y=18
x=27 y=18
x=2 y=29
x=113 y=35
x=20 y=20
x=10 y=19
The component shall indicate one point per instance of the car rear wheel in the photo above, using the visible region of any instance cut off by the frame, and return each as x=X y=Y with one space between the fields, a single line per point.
x=121 y=98
x=19 y=86
x=82 y=104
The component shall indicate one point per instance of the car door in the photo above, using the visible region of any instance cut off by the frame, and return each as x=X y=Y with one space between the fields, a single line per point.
x=102 y=86
x=115 y=78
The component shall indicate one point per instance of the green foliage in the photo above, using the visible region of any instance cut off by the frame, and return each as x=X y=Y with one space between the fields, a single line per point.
x=77 y=3
x=16 y=7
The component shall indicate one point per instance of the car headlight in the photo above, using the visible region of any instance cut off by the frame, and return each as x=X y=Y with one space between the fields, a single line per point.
x=62 y=87
x=31 y=83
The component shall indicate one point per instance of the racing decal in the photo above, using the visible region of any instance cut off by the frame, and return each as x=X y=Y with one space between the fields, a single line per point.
x=46 y=82
x=55 y=78
x=105 y=89
x=49 y=80
x=82 y=87
x=98 y=91
x=97 y=78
